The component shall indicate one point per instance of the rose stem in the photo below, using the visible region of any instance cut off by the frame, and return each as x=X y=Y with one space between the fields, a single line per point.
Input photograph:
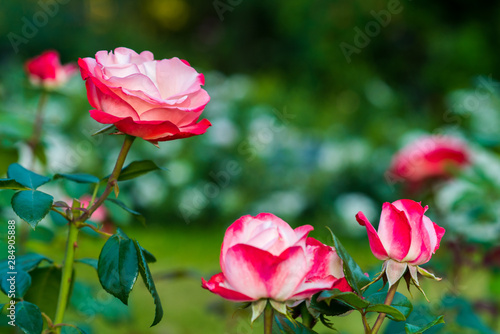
x=307 y=318
x=268 y=319
x=73 y=233
x=388 y=301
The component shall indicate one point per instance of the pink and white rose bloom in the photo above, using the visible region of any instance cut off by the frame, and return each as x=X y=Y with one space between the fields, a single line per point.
x=429 y=157
x=46 y=70
x=262 y=258
x=405 y=239
x=157 y=100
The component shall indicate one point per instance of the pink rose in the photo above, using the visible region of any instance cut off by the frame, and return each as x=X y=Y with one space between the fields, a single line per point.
x=156 y=100
x=262 y=257
x=46 y=70
x=428 y=157
x=406 y=238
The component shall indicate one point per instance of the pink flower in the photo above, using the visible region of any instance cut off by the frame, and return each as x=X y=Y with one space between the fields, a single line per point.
x=156 y=100
x=406 y=238
x=263 y=258
x=46 y=70
x=429 y=157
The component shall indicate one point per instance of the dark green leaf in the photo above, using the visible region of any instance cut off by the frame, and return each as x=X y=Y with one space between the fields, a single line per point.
x=118 y=266
x=90 y=262
x=148 y=281
x=45 y=285
x=333 y=308
x=348 y=298
x=353 y=273
x=136 y=169
x=28 y=318
x=283 y=325
x=122 y=205
x=25 y=262
x=80 y=178
x=21 y=281
x=150 y=258
x=32 y=205
x=11 y=184
x=26 y=177
x=400 y=303
x=413 y=329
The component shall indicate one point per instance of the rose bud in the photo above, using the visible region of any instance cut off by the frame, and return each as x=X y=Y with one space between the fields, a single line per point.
x=406 y=238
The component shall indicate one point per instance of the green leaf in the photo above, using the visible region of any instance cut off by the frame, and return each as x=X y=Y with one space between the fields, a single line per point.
x=413 y=329
x=136 y=169
x=400 y=303
x=11 y=184
x=45 y=285
x=391 y=312
x=21 y=280
x=29 y=318
x=348 y=298
x=122 y=205
x=80 y=178
x=25 y=262
x=150 y=258
x=26 y=177
x=352 y=272
x=283 y=325
x=333 y=308
x=148 y=281
x=32 y=205
x=90 y=262
x=118 y=266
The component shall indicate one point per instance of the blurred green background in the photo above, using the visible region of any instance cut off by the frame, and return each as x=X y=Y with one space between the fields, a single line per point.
x=299 y=130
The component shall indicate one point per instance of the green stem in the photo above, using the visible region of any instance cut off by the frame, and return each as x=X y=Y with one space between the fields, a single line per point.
x=37 y=126
x=268 y=319
x=307 y=319
x=112 y=178
x=388 y=301
x=66 y=274
x=74 y=226
x=365 y=323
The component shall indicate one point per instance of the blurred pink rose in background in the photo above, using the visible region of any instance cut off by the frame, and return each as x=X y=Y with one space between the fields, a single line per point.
x=262 y=257
x=406 y=238
x=46 y=70
x=429 y=157
x=99 y=215
x=156 y=100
